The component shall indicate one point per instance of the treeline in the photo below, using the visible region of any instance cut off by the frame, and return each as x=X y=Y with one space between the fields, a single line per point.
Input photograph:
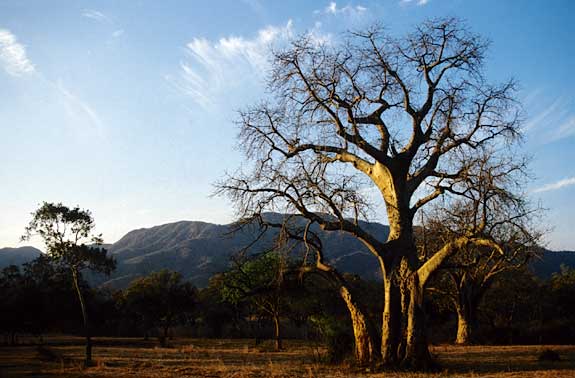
x=263 y=298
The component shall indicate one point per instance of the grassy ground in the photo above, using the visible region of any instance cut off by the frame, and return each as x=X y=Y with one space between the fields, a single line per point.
x=62 y=357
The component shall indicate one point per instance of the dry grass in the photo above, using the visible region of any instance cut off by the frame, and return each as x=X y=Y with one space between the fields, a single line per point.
x=240 y=359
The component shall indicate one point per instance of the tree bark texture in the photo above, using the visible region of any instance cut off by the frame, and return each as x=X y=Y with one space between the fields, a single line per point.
x=363 y=332
x=277 y=333
x=466 y=314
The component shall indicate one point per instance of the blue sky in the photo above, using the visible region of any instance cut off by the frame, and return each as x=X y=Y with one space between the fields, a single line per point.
x=127 y=108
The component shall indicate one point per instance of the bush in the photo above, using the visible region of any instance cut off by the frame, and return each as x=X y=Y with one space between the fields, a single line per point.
x=336 y=336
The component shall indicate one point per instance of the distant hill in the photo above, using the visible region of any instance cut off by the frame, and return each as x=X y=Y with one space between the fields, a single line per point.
x=551 y=261
x=198 y=250
x=17 y=256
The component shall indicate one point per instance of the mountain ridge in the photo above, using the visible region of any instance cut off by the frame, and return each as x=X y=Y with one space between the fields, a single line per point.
x=199 y=249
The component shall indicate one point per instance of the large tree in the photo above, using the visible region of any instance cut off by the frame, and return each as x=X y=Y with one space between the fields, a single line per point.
x=403 y=115
x=68 y=234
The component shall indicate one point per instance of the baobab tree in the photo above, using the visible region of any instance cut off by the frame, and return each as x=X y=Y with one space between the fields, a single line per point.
x=70 y=242
x=405 y=116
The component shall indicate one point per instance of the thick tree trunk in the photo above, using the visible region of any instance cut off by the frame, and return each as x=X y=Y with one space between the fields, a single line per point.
x=401 y=260
x=464 y=332
x=363 y=332
x=466 y=315
x=417 y=354
x=391 y=324
x=277 y=333
x=88 y=350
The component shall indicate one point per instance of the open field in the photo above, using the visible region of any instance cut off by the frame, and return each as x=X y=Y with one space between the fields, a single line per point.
x=239 y=358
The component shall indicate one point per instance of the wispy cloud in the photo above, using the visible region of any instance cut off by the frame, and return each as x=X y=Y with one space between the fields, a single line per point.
x=545 y=116
x=79 y=111
x=418 y=2
x=107 y=21
x=97 y=16
x=333 y=9
x=16 y=63
x=554 y=122
x=13 y=55
x=212 y=69
x=566 y=129
x=556 y=185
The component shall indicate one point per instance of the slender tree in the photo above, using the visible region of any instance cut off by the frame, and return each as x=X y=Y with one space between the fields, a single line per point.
x=69 y=239
x=406 y=116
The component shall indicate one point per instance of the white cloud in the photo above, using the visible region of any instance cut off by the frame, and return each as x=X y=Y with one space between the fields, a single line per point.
x=97 y=16
x=418 y=2
x=118 y=33
x=231 y=69
x=348 y=10
x=13 y=55
x=212 y=69
x=556 y=185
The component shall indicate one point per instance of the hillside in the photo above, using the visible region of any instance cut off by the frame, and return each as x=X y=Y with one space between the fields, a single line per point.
x=198 y=250
x=17 y=256
x=551 y=262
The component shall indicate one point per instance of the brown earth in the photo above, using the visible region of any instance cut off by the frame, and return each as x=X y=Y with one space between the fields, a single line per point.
x=117 y=358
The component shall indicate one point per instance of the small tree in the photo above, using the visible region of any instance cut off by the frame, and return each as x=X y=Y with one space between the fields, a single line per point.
x=296 y=228
x=69 y=239
x=260 y=281
x=489 y=205
x=160 y=299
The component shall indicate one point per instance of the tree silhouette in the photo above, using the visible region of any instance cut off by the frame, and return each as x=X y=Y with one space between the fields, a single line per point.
x=70 y=242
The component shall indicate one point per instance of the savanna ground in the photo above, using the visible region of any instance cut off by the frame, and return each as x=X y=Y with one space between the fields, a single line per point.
x=114 y=357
